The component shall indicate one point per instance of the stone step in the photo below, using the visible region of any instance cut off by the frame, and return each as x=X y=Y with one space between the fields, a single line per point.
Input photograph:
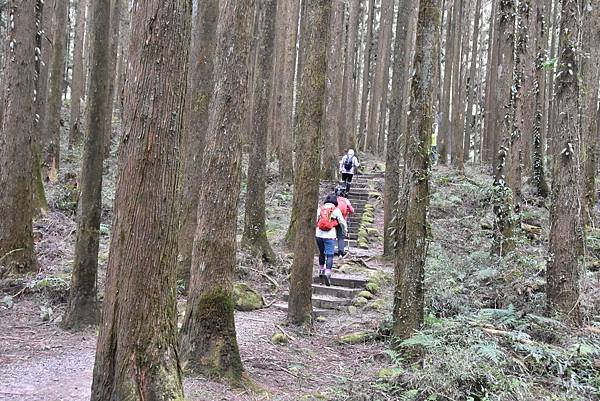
x=283 y=306
x=333 y=291
x=344 y=280
x=325 y=301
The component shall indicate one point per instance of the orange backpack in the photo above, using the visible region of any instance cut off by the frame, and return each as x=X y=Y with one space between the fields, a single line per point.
x=326 y=221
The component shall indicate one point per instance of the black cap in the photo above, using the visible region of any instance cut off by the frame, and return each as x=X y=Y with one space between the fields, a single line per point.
x=332 y=198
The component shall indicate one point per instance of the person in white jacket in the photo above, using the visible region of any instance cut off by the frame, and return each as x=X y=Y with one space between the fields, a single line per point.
x=348 y=167
x=328 y=218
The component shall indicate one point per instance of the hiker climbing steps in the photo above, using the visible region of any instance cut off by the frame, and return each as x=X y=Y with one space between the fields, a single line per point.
x=328 y=300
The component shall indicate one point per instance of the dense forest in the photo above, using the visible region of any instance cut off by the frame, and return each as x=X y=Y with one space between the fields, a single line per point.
x=299 y=200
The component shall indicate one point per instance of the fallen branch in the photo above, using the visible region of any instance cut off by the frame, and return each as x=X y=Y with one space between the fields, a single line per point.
x=265 y=275
x=10 y=253
x=593 y=329
x=285 y=333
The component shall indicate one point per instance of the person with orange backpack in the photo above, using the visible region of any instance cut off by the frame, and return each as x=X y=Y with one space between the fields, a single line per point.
x=328 y=218
x=346 y=209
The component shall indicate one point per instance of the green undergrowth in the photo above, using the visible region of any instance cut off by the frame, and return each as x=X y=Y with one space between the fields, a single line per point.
x=495 y=354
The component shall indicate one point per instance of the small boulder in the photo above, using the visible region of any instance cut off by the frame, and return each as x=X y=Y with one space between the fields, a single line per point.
x=354 y=338
x=279 y=339
x=372 y=287
x=388 y=373
x=365 y=294
x=321 y=319
x=246 y=299
x=360 y=301
x=352 y=310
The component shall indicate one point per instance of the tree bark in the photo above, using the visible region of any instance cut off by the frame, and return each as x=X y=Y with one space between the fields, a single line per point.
x=315 y=29
x=411 y=250
x=200 y=86
x=380 y=80
x=590 y=77
x=42 y=81
x=255 y=233
x=366 y=76
x=502 y=197
x=208 y=338
x=403 y=49
x=136 y=355
x=444 y=138
x=115 y=24
x=335 y=73
x=82 y=309
x=16 y=161
x=347 y=121
x=77 y=82
x=539 y=88
x=488 y=141
x=566 y=228
x=55 y=84
x=470 y=121
x=455 y=135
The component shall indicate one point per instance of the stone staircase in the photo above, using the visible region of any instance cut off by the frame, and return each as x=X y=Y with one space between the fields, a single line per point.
x=344 y=288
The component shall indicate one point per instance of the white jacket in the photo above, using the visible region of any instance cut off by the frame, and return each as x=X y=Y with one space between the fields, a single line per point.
x=355 y=165
x=331 y=234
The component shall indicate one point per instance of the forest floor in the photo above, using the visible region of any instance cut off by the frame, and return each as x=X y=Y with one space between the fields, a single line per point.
x=485 y=335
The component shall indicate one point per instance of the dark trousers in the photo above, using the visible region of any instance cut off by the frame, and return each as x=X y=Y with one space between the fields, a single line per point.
x=347 y=178
x=341 y=240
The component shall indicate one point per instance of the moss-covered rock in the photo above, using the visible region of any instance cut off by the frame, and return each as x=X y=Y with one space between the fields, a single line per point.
x=352 y=310
x=365 y=294
x=321 y=319
x=375 y=195
x=279 y=339
x=246 y=299
x=369 y=208
x=362 y=244
x=355 y=338
x=360 y=301
x=378 y=304
x=367 y=219
x=372 y=287
x=372 y=232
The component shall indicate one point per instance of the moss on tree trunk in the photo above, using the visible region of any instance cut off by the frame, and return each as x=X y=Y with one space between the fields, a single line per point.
x=16 y=138
x=214 y=249
x=411 y=250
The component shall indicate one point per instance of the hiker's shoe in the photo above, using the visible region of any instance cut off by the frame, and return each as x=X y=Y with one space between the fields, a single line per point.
x=343 y=254
x=327 y=276
x=322 y=276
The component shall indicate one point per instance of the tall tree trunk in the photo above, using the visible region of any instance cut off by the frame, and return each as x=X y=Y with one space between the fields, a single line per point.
x=521 y=93
x=16 y=232
x=402 y=58
x=539 y=88
x=77 y=83
x=566 y=228
x=366 y=75
x=444 y=140
x=488 y=141
x=315 y=29
x=470 y=120
x=502 y=198
x=411 y=250
x=335 y=65
x=55 y=84
x=286 y=159
x=42 y=85
x=347 y=121
x=375 y=137
x=82 y=309
x=115 y=24
x=255 y=233
x=200 y=86
x=590 y=77
x=208 y=339
x=136 y=355
x=455 y=103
